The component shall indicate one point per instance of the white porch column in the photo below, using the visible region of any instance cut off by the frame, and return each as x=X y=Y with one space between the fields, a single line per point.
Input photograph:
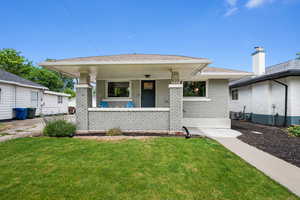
x=176 y=107
x=83 y=101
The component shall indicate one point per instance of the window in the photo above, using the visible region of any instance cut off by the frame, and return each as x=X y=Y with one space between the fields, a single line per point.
x=34 y=99
x=194 y=89
x=0 y=94
x=234 y=94
x=59 y=99
x=118 y=89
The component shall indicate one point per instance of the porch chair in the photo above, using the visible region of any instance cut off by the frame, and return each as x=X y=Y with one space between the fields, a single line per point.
x=103 y=104
x=130 y=104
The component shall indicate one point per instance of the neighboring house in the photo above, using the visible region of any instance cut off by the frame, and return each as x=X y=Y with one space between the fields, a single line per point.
x=148 y=92
x=55 y=103
x=270 y=97
x=17 y=92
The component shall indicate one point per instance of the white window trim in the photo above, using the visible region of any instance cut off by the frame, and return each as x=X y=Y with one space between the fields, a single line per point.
x=58 y=101
x=237 y=94
x=37 y=98
x=117 y=98
x=195 y=98
x=1 y=94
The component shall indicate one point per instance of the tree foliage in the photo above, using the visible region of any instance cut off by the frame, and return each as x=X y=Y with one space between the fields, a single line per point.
x=13 y=62
x=71 y=92
x=45 y=77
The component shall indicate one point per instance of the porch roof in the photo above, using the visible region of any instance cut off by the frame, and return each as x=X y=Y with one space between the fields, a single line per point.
x=134 y=66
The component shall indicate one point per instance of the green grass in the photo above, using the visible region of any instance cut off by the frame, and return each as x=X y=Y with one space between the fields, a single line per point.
x=163 y=168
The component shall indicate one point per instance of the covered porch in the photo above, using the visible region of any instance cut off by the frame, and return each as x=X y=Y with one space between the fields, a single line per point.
x=145 y=98
x=133 y=92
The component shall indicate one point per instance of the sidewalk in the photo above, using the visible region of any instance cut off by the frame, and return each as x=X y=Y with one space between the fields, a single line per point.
x=281 y=171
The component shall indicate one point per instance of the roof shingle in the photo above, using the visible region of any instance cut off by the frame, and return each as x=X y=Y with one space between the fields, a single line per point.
x=7 y=76
x=128 y=57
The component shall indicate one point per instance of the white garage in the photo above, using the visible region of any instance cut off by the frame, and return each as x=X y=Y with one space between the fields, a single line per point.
x=55 y=103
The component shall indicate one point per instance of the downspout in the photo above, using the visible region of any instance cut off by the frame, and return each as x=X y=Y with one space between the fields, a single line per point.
x=285 y=100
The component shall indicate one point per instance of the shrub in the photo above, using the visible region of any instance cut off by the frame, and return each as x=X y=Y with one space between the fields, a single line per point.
x=59 y=128
x=294 y=130
x=114 y=132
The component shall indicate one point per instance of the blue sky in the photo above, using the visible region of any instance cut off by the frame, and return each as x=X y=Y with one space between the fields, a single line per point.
x=226 y=31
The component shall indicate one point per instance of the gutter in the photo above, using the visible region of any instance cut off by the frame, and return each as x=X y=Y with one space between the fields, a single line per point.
x=285 y=100
x=282 y=74
x=23 y=85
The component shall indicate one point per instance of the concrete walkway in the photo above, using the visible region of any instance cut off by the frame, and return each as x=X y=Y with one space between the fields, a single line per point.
x=213 y=132
x=29 y=127
x=281 y=171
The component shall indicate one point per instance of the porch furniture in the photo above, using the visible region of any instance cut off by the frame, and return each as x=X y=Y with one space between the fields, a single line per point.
x=130 y=104
x=103 y=104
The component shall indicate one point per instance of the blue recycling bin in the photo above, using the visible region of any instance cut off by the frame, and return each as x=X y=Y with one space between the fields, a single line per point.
x=21 y=113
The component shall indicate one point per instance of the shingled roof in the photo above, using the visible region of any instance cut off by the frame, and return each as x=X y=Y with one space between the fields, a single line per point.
x=128 y=58
x=8 y=77
x=222 y=70
x=285 y=69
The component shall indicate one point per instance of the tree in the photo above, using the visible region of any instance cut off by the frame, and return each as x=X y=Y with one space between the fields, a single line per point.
x=71 y=92
x=13 y=62
x=298 y=54
x=46 y=78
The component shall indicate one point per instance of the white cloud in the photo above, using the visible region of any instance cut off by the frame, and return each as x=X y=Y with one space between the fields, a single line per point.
x=256 y=3
x=231 y=2
x=231 y=7
x=231 y=11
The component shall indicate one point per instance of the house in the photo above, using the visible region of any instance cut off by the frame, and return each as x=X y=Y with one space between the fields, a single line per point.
x=17 y=92
x=55 y=103
x=271 y=96
x=148 y=92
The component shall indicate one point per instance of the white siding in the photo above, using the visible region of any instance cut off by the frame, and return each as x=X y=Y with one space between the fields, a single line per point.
x=244 y=99
x=277 y=98
x=17 y=97
x=261 y=98
x=268 y=98
x=6 y=101
x=294 y=96
x=23 y=98
x=51 y=105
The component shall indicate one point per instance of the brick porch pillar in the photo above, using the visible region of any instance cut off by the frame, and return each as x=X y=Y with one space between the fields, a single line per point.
x=176 y=107
x=83 y=102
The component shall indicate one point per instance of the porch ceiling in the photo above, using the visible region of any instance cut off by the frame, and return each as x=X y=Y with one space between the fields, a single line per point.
x=132 y=66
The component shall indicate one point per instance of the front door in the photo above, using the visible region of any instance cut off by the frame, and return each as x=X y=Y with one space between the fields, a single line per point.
x=148 y=93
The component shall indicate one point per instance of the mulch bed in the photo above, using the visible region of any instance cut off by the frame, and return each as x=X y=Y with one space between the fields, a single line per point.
x=273 y=140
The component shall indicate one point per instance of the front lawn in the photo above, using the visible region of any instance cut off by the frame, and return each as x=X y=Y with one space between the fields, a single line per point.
x=162 y=168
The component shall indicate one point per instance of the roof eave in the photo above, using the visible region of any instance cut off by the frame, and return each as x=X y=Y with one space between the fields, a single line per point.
x=64 y=63
x=282 y=74
x=225 y=75
x=23 y=85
